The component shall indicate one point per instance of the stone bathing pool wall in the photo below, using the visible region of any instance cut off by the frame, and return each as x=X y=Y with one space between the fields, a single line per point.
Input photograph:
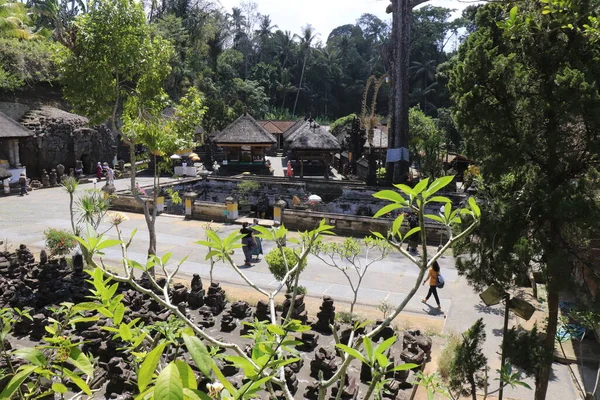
x=347 y=207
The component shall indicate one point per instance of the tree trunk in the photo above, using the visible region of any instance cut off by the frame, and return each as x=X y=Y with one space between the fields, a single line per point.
x=300 y=85
x=473 y=388
x=544 y=373
x=401 y=22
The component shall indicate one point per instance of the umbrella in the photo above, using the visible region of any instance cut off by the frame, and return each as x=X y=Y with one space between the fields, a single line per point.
x=175 y=157
x=314 y=198
x=4 y=174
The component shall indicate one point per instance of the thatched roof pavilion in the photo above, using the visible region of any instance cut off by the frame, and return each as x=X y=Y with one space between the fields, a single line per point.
x=244 y=142
x=312 y=143
x=11 y=133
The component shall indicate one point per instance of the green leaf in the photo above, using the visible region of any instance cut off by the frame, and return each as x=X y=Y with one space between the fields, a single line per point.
x=386 y=209
x=382 y=360
x=406 y=189
x=107 y=243
x=249 y=370
x=382 y=348
x=275 y=329
x=474 y=207
x=77 y=381
x=168 y=384
x=148 y=367
x=390 y=195
x=192 y=394
x=435 y=218
x=16 y=381
x=199 y=353
x=188 y=379
x=125 y=332
x=412 y=232
x=368 y=344
x=32 y=355
x=79 y=320
x=513 y=13
x=86 y=306
x=352 y=352
x=119 y=313
x=439 y=184
x=397 y=224
x=80 y=360
x=439 y=199
x=378 y=235
x=59 y=388
x=226 y=384
x=404 y=367
x=419 y=187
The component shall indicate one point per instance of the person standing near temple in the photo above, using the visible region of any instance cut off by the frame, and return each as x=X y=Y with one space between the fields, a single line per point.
x=290 y=171
x=110 y=176
x=247 y=244
x=257 y=250
x=99 y=171
x=23 y=184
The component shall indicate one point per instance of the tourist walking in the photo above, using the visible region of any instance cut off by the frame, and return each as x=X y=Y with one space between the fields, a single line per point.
x=23 y=184
x=99 y=170
x=257 y=250
x=432 y=276
x=290 y=172
x=110 y=176
x=247 y=244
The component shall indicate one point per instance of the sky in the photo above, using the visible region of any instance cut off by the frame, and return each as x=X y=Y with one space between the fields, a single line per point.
x=325 y=15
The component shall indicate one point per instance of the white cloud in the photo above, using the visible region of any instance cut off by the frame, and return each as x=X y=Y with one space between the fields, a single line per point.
x=325 y=15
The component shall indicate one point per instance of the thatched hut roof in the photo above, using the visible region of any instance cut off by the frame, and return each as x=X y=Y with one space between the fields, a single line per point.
x=9 y=128
x=244 y=130
x=311 y=136
x=277 y=127
x=288 y=135
x=4 y=174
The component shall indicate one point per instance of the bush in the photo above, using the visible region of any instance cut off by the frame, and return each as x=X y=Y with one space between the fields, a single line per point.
x=277 y=266
x=445 y=363
x=59 y=242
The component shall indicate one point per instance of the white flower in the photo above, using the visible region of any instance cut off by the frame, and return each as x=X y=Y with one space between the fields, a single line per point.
x=214 y=389
x=117 y=218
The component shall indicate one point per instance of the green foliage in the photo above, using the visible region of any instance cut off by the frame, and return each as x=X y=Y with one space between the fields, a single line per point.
x=174 y=195
x=446 y=358
x=49 y=360
x=468 y=363
x=525 y=350
x=385 y=307
x=281 y=260
x=432 y=384
x=341 y=126
x=426 y=143
x=114 y=57
x=26 y=62
x=510 y=378
x=246 y=187
x=59 y=242
x=92 y=207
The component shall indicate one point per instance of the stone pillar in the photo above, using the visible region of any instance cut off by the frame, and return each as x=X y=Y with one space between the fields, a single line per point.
x=7 y=186
x=15 y=149
x=160 y=203
x=189 y=197
x=232 y=208
x=278 y=211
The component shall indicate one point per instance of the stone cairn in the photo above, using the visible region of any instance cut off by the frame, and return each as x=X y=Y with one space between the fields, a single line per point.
x=262 y=311
x=325 y=362
x=53 y=177
x=195 y=297
x=350 y=388
x=326 y=316
x=299 y=312
x=215 y=298
x=45 y=178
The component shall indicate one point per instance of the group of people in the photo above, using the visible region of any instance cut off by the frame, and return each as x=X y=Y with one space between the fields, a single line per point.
x=105 y=171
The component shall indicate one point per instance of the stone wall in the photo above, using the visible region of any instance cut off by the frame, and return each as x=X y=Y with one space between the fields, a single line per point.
x=63 y=138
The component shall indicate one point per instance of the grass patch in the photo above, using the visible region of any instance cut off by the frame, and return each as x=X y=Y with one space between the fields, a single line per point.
x=447 y=356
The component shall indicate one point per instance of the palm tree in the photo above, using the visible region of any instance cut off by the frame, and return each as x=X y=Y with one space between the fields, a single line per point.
x=14 y=21
x=284 y=45
x=263 y=33
x=239 y=23
x=419 y=96
x=308 y=35
x=58 y=15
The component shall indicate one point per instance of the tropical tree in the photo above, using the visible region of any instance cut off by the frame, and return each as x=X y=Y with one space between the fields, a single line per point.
x=15 y=21
x=526 y=90
x=306 y=39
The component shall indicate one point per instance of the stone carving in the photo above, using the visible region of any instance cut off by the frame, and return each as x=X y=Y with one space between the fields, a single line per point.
x=179 y=294
x=228 y=323
x=324 y=361
x=53 y=177
x=78 y=263
x=43 y=257
x=206 y=319
x=415 y=337
x=309 y=341
x=299 y=311
x=215 y=298
x=60 y=169
x=262 y=311
x=45 y=178
x=385 y=333
x=78 y=168
x=240 y=310
x=350 y=388
x=326 y=316
x=195 y=297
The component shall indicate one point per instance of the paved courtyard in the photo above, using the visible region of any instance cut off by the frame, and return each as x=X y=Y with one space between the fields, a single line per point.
x=24 y=219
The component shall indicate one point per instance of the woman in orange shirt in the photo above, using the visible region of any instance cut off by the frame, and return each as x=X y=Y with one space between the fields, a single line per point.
x=434 y=272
